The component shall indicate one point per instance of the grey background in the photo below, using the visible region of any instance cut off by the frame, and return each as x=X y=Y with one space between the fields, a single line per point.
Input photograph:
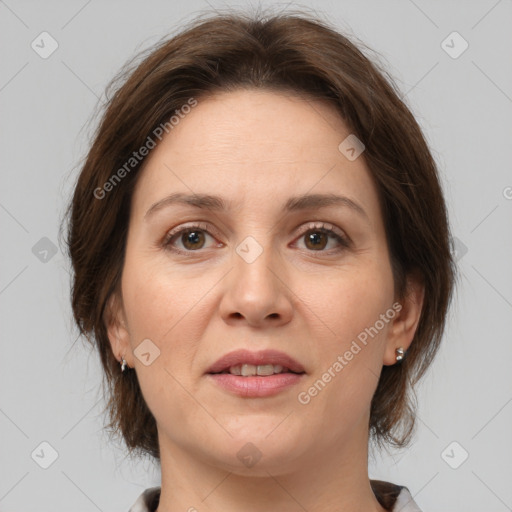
x=49 y=385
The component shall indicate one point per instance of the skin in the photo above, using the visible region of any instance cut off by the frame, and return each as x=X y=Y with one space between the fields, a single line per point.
x=257 y=149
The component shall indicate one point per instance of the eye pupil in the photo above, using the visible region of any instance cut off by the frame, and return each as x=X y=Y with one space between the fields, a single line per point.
x=192 y=237
x=315 y=237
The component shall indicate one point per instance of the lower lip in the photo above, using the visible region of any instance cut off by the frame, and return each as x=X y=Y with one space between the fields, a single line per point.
x=256 y=386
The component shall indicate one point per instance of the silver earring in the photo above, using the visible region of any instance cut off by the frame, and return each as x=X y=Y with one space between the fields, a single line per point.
x=123 y=365
x=399 y=354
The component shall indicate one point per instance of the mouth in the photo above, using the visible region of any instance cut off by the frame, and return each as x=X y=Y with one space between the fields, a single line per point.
x=263 y=363
x=256 y=374
x=250 y=370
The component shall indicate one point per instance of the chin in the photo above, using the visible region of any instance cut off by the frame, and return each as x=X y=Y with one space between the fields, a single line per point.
x=258 y=448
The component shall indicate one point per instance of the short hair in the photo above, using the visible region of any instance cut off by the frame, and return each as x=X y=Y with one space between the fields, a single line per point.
x=292 y=53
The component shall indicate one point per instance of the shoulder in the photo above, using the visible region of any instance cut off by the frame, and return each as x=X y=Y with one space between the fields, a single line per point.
x=147 y=501
x=405 y=502
x=393 y=497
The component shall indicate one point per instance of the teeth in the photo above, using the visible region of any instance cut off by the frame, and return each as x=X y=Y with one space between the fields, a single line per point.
x=248 y=370
x=235 y=370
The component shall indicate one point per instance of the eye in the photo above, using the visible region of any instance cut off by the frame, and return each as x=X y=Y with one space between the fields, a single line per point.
x=191 y=237
x=318 y=235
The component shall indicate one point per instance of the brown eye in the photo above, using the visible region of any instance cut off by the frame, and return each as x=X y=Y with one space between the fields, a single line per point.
x=324 y=238
x=193 y=239
x=316 y=240
x=189 y=239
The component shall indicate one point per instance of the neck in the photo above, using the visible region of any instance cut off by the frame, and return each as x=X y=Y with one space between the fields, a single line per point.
x=330 y=480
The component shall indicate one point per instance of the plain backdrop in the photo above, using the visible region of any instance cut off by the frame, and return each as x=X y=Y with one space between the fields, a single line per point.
x=50 y=400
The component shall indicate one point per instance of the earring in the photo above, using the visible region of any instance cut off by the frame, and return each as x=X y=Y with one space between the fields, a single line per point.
x=399 y=354
x=123 y=365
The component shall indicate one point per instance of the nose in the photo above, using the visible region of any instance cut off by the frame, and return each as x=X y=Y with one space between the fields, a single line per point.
x=257 y=292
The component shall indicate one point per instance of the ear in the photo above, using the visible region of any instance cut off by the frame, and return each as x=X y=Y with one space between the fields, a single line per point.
x=118 y=334
x=403 y=326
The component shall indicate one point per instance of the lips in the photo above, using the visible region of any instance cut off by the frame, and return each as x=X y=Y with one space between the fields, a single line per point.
x=262 y=358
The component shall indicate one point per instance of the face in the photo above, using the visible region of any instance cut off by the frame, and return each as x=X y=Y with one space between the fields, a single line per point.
x=258 y=271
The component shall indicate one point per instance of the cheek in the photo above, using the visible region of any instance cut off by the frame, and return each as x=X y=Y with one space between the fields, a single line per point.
x=352 y=301
x=351 y=336
x=157 y=300
x=161 y=309
x=156 y=312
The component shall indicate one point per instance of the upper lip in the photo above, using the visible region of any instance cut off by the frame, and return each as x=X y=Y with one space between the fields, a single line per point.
x=262 y=357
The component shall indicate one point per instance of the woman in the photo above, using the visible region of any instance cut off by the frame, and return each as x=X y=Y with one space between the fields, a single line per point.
x=261 y=256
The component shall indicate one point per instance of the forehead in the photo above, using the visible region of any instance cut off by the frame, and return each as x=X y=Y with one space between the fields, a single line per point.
x=254 y=147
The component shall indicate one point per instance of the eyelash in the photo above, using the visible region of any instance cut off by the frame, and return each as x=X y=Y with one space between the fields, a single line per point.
x=318 y=227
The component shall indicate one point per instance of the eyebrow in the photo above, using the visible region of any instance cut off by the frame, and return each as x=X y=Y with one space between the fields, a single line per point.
x=217 y=203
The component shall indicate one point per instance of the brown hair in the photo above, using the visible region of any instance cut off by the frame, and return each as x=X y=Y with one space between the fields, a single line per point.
x=288 y=52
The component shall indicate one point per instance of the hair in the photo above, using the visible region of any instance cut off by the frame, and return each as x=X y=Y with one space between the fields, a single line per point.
x=285 y=52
